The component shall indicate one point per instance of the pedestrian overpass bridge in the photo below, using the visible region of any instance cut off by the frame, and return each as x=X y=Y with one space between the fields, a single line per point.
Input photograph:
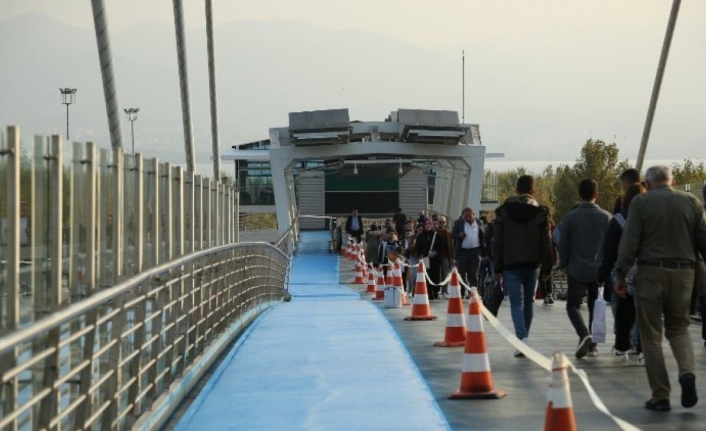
x=136 y=307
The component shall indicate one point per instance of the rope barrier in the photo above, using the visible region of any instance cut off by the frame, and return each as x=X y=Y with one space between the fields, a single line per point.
x=546 y=363
x=533 y=355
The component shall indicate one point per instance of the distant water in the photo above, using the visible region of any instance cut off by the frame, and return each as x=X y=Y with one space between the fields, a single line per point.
x=534 y=166
x=498 y=165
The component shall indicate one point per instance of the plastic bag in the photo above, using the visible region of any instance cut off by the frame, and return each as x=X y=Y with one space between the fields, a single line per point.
x=598 y=327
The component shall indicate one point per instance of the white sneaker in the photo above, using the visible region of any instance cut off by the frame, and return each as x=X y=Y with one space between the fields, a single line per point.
x=641 y=360
x=619 y=354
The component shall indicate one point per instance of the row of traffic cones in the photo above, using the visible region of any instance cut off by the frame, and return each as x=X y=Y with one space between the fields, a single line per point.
x=476 y=376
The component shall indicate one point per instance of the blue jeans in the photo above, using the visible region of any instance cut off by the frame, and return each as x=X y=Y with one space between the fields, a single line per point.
x=520 y=284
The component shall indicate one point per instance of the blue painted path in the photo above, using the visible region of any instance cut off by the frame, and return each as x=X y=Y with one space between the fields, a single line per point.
x=325 y=361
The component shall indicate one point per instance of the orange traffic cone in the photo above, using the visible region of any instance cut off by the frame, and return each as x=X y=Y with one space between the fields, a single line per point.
x=358 y=274
x=455 y=334
x=371 y=283
x=354 y=250
x=349 y=249
x=560 y=410
x=476 y=379
x=380 y=287
x=420 y=305
x=398 y=284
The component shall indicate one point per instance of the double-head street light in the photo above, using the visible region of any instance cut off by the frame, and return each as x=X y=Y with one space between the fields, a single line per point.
x=68 y=96
x=131 y=117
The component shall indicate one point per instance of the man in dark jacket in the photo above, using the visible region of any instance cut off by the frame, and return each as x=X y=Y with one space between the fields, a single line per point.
x=354 y=225
x=522 y=251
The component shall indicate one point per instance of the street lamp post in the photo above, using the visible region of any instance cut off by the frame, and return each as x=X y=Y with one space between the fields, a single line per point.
x=131 y=117
x=68 y=96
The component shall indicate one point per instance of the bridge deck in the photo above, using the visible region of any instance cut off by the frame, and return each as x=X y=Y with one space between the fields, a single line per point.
x=330 y=361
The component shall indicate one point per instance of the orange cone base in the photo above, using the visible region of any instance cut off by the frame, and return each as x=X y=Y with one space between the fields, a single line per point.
x=450 y=343
x=415 y=318
x=493 y=395
x=453 y=337
x=559 y=419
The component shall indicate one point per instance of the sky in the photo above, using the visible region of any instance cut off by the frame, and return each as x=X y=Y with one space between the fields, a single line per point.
x=540 y=76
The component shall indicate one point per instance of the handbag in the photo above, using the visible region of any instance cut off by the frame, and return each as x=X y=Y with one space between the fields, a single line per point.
x=598 y=327
x=425 y=259
x=493 y=297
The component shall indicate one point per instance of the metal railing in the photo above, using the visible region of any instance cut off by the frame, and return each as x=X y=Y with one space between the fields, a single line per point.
x=118 y=276
x=77 y=219
x=103 y=362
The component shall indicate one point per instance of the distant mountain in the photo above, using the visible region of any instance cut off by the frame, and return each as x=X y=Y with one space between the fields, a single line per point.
x=264 y=71
x=534 y=97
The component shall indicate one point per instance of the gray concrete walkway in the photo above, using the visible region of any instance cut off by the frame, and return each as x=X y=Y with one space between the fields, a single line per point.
x=333 y=360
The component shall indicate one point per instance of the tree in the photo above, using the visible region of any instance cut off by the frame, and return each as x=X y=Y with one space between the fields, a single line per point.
x=598 y=161
x=689 y=173
x=543 y=184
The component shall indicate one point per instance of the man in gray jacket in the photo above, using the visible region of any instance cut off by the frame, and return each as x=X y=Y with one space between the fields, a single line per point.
x=665 y=228
x=580 y=246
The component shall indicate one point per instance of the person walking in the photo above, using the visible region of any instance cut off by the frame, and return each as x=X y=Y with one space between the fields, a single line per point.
x=400 y=220
x=469 y=238
x=664 y=231
x=625 y=307
x=446 y=254
x=431 y=245
x=522 y=252
x=547 y=287
x=580 y=247
x=354 y=225
x=372 y=244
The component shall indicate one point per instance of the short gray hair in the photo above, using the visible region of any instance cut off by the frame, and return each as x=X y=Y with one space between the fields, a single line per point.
x=658 y=174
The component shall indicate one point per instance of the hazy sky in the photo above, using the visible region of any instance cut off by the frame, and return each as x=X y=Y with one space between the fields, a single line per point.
x=576 y=44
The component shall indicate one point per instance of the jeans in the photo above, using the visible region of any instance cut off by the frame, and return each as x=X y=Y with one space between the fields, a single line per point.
x=520 y=284
x=575 y=293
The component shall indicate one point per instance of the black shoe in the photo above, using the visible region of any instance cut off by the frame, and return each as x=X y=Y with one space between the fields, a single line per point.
x=583 y=347
x=688 y=390
x=658 y=405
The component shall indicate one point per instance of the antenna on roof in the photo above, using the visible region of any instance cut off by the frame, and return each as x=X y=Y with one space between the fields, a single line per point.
x=463 y=86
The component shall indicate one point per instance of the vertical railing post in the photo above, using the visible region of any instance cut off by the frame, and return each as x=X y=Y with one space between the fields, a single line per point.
x=118 y=214
x=155 y=232
x=104 y=219
x=206 y=188
x=89 y=203
x=10 y=295
x=216 y=200
x=75 y=221
x=138 y=214
x=189 y=211
x=56 y=192
x=10 y=300
x=198 y=212
x=178 y=292
x=50 y=403
x=166 y=206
